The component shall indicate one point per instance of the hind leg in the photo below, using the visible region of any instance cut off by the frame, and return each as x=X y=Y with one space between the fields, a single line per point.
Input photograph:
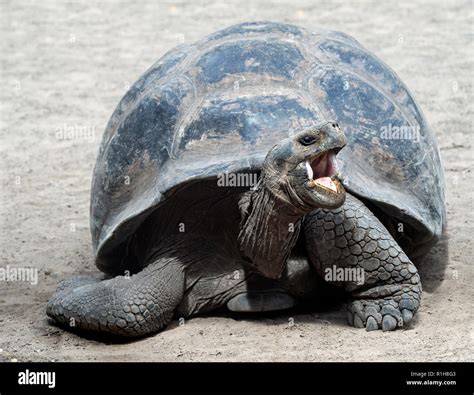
x=127 y=306
x=298 y=283
x=261 y=294
x=351 y=237
x=221 y=280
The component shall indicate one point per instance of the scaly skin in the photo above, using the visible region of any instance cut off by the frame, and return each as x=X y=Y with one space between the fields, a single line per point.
x=127 y=306
x=352 y=237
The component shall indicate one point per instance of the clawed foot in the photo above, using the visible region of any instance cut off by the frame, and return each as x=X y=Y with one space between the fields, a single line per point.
x=388 y=313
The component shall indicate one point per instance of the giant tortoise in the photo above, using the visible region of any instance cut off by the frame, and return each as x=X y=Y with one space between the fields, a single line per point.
x=217 y=185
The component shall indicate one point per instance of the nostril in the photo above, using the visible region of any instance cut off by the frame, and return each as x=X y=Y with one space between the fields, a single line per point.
x=335 y=125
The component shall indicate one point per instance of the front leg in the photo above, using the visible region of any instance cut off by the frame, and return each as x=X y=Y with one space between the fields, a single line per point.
x=351 y=237
x=126 y=306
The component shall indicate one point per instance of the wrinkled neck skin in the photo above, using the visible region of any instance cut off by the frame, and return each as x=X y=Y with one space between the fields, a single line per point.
x=271 y=217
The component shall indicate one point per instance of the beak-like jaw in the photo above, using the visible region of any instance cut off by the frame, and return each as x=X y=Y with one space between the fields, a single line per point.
x=316 y=181
x=315 y=178
x=304 y=168
x=322 y=172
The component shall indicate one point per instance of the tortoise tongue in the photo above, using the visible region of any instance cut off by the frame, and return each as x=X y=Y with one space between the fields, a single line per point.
x=326 y=182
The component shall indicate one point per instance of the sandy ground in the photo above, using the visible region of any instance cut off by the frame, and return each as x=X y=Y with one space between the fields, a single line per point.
x=65 y=65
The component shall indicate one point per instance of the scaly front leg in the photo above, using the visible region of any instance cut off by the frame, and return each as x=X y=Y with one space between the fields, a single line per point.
x=351 y=237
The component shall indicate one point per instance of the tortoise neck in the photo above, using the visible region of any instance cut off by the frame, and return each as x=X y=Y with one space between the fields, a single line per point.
x=269 y=229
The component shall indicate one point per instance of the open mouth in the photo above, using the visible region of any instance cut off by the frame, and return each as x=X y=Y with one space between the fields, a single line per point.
x=322 y=170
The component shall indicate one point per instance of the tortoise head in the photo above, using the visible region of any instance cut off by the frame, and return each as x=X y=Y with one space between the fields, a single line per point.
x=304 y=169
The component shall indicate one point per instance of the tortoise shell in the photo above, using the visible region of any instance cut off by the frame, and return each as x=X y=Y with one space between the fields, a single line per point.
x=219 y=105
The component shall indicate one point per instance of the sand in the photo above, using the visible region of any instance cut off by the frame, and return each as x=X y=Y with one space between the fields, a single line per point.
x=64 y=67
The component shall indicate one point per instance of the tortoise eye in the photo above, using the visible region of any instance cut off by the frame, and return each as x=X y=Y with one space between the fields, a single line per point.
x=307 y=140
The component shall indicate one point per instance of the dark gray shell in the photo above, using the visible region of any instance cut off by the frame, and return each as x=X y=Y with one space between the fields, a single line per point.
x=220 y=104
